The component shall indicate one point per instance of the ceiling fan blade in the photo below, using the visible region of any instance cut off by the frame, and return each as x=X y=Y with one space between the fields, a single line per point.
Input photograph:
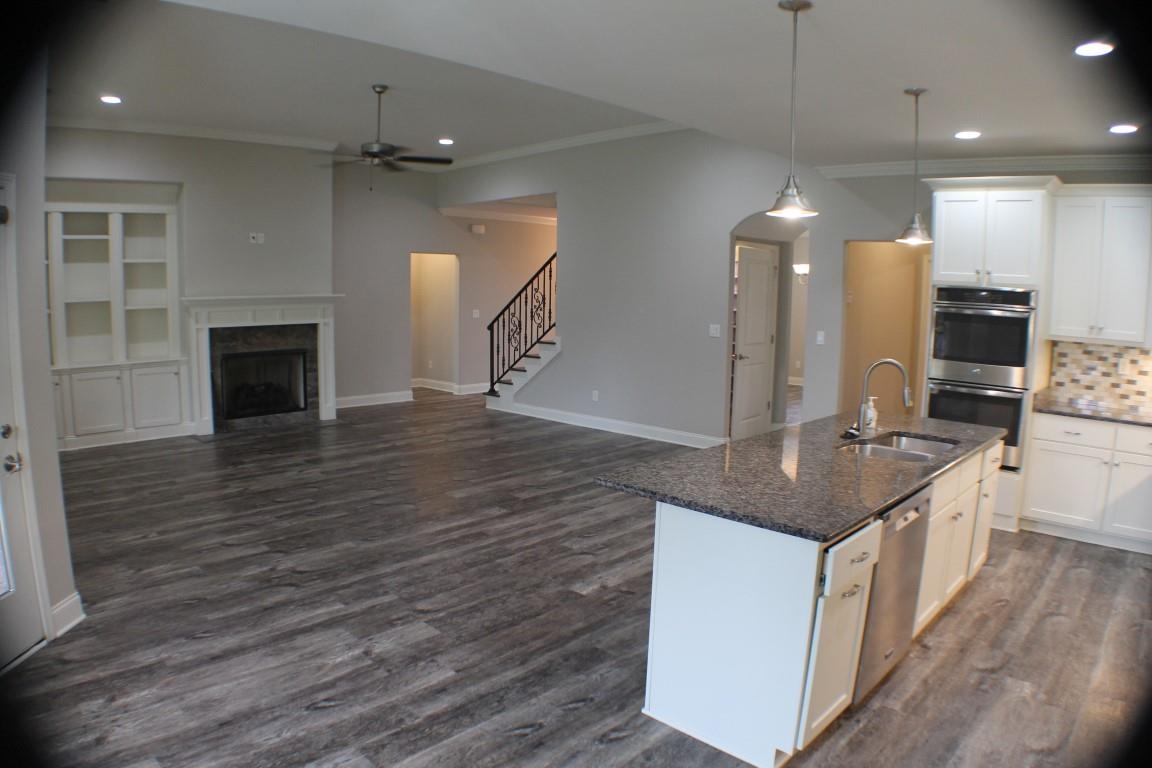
x=392 y=165
x=424 y=159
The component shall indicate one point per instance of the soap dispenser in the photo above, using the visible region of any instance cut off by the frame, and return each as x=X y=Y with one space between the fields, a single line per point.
x=870 y=414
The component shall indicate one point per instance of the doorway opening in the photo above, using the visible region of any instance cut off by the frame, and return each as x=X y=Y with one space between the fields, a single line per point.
x=886 y=312
x=435 y=320
x=755 y=288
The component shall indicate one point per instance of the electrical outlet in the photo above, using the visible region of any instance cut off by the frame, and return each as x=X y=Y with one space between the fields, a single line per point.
x=256 y=238
x=714 y=331
x=475 y=314
x=595 y=395
x=819 y=338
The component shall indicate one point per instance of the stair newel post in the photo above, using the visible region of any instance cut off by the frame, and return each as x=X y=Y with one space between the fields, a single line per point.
x=492 y=359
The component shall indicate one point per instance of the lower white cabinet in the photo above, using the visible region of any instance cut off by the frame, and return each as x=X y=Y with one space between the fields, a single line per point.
x=97 y=402
x=1091 y=476
x=959 y=529
x=120 y=403
x=839 y=629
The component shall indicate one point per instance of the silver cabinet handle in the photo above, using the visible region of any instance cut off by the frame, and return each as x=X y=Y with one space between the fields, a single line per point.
x=860 y=558
x=1073 y=433
x=996 y=460
x=13 y=463
x=851 y=592
x=1115 y=463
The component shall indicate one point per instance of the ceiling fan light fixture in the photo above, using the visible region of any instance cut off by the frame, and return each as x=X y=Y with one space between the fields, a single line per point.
x=1095 y=48
x=915 y=233
x=446 y=141
x=790 y=201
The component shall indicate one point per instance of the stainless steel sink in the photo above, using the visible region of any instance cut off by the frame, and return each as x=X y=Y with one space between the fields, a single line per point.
x=935 y=446
x=877 y=451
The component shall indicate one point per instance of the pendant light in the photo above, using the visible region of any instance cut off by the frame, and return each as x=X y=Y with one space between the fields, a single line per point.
x=915 y=233
x=791 y=204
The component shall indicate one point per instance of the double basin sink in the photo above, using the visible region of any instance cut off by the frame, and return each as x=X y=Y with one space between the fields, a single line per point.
x=900 y=446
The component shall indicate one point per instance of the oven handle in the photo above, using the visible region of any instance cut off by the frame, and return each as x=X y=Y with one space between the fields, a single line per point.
x=962 y=310
x=1006 y=394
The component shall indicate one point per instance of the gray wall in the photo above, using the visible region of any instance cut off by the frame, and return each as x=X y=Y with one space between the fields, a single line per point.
x=644 y=239
x=22 y=153
x=229 y=189
x=374 y=234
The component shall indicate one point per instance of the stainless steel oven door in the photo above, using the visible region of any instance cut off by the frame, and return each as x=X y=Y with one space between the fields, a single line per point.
x=981 y=345
x=987 y=406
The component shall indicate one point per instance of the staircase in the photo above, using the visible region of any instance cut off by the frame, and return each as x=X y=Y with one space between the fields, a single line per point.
x=522 y=337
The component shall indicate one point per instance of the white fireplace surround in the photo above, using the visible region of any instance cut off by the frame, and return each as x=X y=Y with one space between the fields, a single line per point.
x=206 y=313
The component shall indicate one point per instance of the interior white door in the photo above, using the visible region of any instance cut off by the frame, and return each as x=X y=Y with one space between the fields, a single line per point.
x=20 y=622
x=754 y=348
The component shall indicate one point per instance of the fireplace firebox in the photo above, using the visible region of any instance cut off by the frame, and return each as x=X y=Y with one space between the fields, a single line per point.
x=263 y=383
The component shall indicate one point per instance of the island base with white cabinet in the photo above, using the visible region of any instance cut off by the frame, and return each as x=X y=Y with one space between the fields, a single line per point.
x=764 y=562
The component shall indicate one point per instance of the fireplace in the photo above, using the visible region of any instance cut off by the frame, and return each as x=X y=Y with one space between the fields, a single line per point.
x=263 y=383
x=264 y=375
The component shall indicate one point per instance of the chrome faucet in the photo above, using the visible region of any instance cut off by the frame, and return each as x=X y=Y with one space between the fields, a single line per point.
x=859 y=427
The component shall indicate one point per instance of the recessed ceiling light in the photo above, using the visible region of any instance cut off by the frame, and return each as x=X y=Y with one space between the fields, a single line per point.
x=967 y=135
x=1124 y=128
x=108 y=98
x=447 y=141
x=1094 y=48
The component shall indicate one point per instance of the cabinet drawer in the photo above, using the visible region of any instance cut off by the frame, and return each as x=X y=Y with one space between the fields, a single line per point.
x=992 y=458
x=1134 y=439
x=1066 y=429
x=850 y=562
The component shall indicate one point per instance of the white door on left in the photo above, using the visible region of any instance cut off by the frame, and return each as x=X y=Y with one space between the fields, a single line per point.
x=754 y=347
x=21 y=626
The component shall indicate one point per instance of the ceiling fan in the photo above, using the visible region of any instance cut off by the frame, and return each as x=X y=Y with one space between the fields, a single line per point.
x=379 y=154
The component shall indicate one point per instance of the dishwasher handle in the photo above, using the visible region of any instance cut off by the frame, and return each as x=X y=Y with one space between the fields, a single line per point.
x=908 y=518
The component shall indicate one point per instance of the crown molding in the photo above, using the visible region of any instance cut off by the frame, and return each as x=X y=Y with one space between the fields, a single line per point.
x=480 y=212
x=584 y=139
x=991 y=165
x=194 y=132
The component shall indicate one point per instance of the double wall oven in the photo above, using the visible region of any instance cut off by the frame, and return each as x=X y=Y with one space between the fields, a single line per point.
x=981 y=351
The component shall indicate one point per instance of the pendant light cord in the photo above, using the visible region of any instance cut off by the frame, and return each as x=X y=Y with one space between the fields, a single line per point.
x=915 y=152
x=792 y=116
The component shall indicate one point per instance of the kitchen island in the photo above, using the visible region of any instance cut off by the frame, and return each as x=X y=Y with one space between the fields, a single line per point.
x=764 y=552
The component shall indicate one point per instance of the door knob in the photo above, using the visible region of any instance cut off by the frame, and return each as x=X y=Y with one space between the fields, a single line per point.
x=738 y=356
x=6 y=430
x=13 y=463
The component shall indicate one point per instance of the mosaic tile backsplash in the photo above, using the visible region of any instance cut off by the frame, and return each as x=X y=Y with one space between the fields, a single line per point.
x=1103 y=372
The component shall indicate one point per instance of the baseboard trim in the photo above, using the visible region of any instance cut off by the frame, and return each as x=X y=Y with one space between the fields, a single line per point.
x=66 y=614
x=690 y=439
x=381 y=398
x=76 y=442
x=449 y=387
x=1088 y=537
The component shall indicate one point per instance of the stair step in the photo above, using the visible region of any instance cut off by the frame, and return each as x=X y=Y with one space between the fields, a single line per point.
x=532 y=356
x=509 y=382
x=518 y=369
x=546 y=341
x=492 y=393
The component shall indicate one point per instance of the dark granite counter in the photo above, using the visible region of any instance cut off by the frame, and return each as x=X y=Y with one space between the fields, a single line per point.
x=794 y=480
x=1101 y=408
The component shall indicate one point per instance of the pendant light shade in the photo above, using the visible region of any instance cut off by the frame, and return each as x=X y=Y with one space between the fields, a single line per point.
x=915 y=233
x=791 y=203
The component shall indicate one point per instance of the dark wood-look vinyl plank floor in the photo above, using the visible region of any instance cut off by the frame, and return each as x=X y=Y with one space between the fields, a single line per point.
x=432 y=584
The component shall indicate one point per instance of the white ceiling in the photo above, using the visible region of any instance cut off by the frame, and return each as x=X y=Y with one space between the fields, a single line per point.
x=502 y=75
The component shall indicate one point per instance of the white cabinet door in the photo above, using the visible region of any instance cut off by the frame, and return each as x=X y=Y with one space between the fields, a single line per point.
x=156 y=396
x=1128 y=511
x=1125 y=247
x=1068 y=484
x=958 y=218
x=982 y=532
x=839 y=629
x=962 y=522
x=1014 y=240
x=1076 y=266
x=932 y=577
x=97 y=402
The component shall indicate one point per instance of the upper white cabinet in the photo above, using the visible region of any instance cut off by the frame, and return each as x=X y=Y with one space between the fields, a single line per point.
x=990 y=231
x=112 y=283
x=1102 y=244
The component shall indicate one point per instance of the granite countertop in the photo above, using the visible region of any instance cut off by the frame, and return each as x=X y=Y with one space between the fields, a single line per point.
x=794 y=481
x=1100 y=408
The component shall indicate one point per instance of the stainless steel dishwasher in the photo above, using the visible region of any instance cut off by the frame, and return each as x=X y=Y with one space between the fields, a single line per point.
x=895 y=587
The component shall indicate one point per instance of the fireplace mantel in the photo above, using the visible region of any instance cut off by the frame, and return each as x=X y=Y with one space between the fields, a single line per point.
x=207 y=312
